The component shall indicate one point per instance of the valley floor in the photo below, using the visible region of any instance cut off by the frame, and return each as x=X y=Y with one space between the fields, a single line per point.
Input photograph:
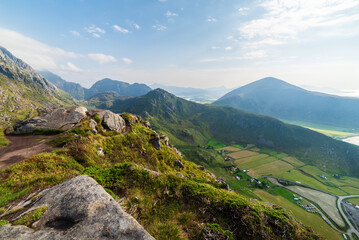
x=312 y=195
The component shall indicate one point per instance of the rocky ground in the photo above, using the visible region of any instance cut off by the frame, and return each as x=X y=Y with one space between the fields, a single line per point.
x=23 y=147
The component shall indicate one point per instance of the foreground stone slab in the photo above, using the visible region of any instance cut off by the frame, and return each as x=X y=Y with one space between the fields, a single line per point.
x=78 y=209
x=62 y=118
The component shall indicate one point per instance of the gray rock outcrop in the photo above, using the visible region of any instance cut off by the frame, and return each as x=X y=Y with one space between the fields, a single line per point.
x=78 y=209
x=61 y=118
x=112 y=121
x=156 y=141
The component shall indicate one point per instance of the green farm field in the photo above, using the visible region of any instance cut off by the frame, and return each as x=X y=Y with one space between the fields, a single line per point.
x=328 y=203
x=242 y=154
x=290 y=168
x=253 y=161
x=309 y=219
x=354 y=201
x=273 y=168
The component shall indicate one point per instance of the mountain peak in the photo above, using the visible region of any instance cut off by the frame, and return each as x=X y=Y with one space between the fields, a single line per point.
x=271 y=82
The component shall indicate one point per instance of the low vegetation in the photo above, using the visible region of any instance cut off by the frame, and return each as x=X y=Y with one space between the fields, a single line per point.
x=171 y=202
x=29 y=218
x=3 y=140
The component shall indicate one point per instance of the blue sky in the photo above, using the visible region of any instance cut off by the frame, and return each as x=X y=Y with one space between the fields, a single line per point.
x=196 y=43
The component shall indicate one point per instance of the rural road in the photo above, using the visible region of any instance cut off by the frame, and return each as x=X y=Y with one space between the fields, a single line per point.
x=339 y=203
x=351 y=228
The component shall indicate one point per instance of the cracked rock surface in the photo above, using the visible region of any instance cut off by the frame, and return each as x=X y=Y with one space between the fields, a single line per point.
x=78 y=209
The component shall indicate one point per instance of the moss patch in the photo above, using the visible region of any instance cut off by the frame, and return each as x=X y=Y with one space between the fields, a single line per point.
x=29 y=218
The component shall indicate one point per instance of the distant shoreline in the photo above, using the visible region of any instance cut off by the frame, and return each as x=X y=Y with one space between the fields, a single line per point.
x=352 y=140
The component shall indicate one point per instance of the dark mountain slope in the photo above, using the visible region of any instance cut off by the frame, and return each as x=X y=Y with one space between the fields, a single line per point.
x=74 y=89
x=122 y=88
x=196 y=124
x=23 y=92
x=105 y=100
x=273 y=97
x=101 y=86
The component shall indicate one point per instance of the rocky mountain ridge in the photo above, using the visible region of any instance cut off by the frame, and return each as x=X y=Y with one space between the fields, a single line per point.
x=24 y=92
x=101 y=86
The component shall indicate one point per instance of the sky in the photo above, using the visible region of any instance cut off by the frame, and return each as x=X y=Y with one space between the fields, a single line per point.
x=188 y=43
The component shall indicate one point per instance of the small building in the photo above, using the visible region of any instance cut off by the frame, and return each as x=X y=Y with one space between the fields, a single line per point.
x=322 y=176
x=238 y=178
x=336 y=176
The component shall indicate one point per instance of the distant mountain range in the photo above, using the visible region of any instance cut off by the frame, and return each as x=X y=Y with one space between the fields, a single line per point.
x=104 y=85
x=187 y=122
x=74 y=89
x=274 y=97
x=24 y=92
x=206 y=95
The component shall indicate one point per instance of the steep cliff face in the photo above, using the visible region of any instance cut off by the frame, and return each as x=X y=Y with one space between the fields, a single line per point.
x=23 y=92
x=169 y=196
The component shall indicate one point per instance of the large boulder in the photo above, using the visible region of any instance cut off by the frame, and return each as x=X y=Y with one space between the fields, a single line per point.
x=61 y=118
x=78 y=209
x=110 y=120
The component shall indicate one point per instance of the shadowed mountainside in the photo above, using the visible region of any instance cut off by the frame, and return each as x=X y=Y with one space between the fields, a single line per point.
x=274 y=97
x=193 y=123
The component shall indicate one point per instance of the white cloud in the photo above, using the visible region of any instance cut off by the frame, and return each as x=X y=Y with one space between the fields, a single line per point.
x=255 y=55
x=264 y=42
x=95 y=31
x=70 y=67
x=136 y=26
x=171 y=14
x=229 y=37
x=159 y=27
x=228 y=48
x=75 y=33
x=285 y=19
x=126 y=60
x=39 y=55
x=207 y=60
x=211 y=19
x=101 y=58
x=120 y=29
x=252 y=55
x=243 y=11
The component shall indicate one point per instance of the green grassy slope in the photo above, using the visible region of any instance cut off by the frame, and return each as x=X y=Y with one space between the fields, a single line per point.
x=192 y=124
x=171 y=203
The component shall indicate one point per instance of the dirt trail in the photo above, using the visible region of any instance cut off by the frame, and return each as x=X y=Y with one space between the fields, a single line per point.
x=23 y=147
